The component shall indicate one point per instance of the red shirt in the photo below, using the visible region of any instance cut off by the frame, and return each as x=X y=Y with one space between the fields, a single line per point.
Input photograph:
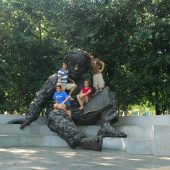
x=85 y=90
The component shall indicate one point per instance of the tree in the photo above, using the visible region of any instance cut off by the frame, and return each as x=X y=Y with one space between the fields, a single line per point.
x=131 y=37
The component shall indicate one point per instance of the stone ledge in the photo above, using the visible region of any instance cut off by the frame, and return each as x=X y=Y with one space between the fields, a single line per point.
x=130 y=145
x=51 y=141
x=145 y=132
x=144 y=120
x=162 y=140
x=140 y=146
x=146 y=135
x=126 y=120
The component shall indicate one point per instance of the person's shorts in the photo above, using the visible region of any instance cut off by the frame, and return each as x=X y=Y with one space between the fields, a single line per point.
x=68 y=86
x=98 y=81
x=67 y=106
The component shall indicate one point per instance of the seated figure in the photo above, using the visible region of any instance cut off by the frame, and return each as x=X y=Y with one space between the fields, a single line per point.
x=63 y=77
x=85 y=95
x=61 y=100
x=102 y=108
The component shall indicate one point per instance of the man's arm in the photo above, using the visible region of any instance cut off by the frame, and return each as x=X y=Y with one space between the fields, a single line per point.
x=103 y=65
x=59 y=80
x=88 y=92
x=59 y=77
x=66 y=98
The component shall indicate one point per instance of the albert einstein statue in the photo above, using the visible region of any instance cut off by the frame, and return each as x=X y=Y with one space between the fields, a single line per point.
x=102 y=108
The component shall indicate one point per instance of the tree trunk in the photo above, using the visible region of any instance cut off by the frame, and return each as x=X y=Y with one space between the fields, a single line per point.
x=157 y=111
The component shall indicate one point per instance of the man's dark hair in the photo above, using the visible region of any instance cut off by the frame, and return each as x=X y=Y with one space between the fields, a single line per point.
x=87 y=55
x=64 y=62
x=59 y=86
x=92 y=55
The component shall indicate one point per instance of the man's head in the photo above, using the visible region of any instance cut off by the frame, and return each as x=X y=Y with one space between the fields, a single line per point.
x=64 y=65
x=91 y=56
x=86 y=83
x=59 y=88
x=78 y=64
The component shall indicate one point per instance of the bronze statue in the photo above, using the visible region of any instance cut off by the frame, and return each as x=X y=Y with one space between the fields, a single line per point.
x=101 y=109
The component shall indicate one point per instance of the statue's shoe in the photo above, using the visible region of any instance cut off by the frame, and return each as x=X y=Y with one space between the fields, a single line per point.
x=116 y=133
x=92 y=143
x=109 y=131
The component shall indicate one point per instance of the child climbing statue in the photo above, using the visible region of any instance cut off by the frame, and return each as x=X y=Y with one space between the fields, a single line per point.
x=97 y=69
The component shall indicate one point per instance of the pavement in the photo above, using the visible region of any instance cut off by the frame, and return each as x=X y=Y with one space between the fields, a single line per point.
x=49 y=158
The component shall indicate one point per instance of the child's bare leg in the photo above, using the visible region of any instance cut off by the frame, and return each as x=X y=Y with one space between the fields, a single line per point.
x=68 y=113
x=86 y=99
x=101 y=87
x=81 y=101
x=55 y=105
x=97 y=90
x=72 y=89
x=63 y=108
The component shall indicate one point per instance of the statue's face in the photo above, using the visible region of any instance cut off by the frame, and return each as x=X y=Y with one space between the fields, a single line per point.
x=78 y=64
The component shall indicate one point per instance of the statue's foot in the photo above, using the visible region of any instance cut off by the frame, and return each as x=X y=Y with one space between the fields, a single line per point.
x=92 y=143
x=108 y=130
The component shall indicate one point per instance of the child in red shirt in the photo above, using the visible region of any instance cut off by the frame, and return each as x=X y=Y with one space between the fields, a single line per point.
x=85 y=95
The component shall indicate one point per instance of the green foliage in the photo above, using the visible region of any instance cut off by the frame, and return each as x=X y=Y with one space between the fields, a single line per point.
x=131 y=37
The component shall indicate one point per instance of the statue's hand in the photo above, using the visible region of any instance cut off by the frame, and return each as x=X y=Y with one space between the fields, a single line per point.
x=23 y=125
x=27 y=122
x=23 y=122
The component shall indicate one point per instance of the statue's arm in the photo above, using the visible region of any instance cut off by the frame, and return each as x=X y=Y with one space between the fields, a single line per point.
x=39 y=102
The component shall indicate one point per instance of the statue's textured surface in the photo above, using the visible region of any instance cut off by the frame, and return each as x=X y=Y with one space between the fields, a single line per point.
x=102 y=108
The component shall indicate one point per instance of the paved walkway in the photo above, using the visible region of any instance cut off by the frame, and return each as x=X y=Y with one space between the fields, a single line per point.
x=78 y=159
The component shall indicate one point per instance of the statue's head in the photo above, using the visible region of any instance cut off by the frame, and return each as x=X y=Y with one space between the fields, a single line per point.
x=78 y=64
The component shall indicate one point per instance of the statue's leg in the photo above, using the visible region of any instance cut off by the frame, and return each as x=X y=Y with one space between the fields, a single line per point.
x=60 y=123
x=107 y=119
